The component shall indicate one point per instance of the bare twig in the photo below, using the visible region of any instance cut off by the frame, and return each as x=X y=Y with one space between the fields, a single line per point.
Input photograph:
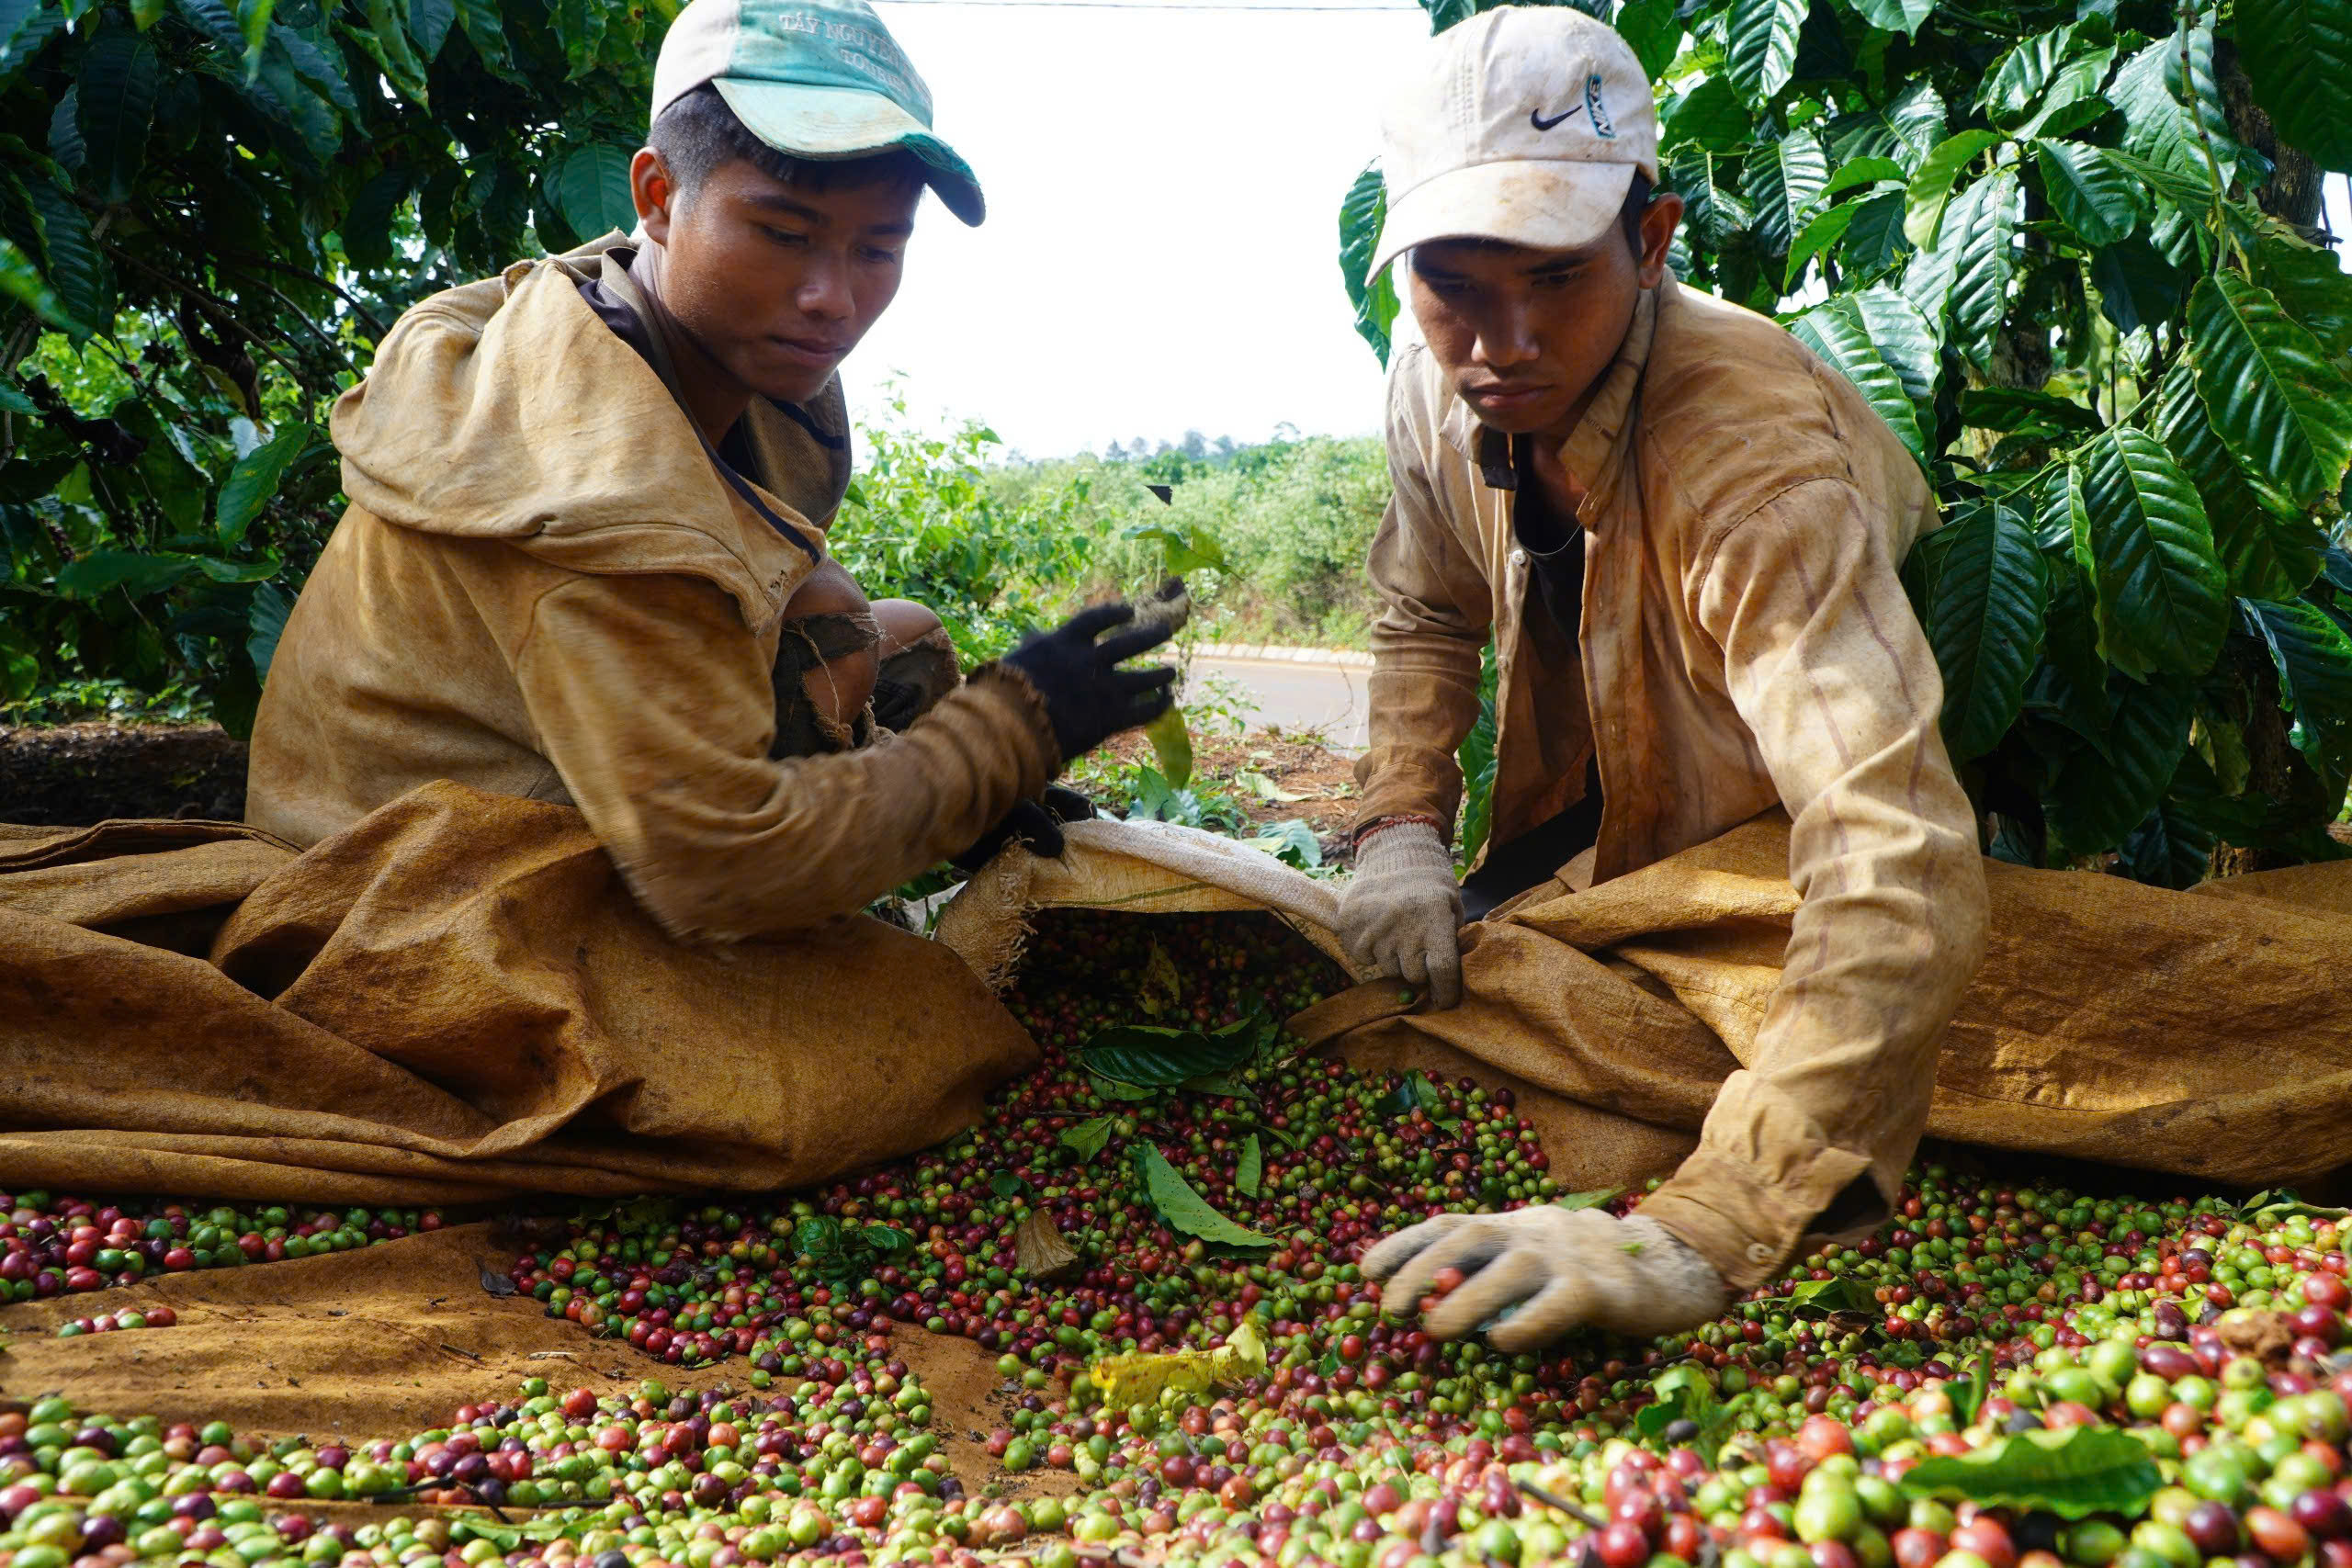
x=375 y=324
x=1575 y=1511
x=212 y=305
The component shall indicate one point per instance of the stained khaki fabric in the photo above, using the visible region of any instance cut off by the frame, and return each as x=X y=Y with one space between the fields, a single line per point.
x=455 y=998
x=1744 y=645
x=2205 y=1034
x=546 y=588
x=458 y=1000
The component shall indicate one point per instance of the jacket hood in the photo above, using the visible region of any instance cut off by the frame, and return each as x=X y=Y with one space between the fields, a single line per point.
x=507 y=410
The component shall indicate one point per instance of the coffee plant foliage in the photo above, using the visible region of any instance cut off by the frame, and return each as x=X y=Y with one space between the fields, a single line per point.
x=2065 y=249
x=210 y=212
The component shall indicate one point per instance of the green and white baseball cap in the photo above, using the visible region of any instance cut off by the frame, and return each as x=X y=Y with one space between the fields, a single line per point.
x=1526 y=124
x=812 y=79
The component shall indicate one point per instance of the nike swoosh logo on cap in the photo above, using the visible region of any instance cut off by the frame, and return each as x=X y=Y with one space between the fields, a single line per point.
x=1540 y=123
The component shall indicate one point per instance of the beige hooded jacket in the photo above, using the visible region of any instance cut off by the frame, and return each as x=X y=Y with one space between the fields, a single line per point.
x=1744 y=645
x=545 y=587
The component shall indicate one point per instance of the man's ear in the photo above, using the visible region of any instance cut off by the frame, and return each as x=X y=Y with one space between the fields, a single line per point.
x=1659 y=221
x=655 y=192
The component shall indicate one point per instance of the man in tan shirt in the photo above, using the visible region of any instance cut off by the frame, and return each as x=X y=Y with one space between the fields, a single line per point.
x=585 y=562
x=1682 y=532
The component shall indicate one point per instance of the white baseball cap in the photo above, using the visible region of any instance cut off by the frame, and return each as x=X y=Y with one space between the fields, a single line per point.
x=1524 y=124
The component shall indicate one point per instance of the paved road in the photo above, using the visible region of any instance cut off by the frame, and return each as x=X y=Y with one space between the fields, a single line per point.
x=1329 y=697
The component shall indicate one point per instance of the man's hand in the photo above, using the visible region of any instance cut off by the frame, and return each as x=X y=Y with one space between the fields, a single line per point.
x=1401 y=912
x=1037 y=824
x=1544 y=1271
x=1087 y=696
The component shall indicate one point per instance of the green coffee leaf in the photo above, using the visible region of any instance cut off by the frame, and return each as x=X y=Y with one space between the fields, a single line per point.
x=1184 y=1209
x=1171 y=745
x=2313 y=657
x=1930 y=188
x=1762 y=43
x=255 y=479
x=1151 y=1057
x=1903 y=17
x=1228 y=1085
x=1415 y=1090
x=1086 y=1139
x=2280 y=406
x=1968 y=1398
x=2268 y=548
x=2090 y=194
x=1591 y=1199
x=1112 y=1089
x=2104 y=790
x=114 y=109
x=1836 y=333
x=1654 y=29
x=1682 y=1393
x=589 y=186
x=138 y=573
x=2299 y=53
x=2072 y=1473
x=1783 y=179
x=1246 y=1174
x=1361 y=213
x=1985 y=622
x=2143 y=541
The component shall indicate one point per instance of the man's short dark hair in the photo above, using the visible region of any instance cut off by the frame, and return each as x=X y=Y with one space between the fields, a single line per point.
x=699 y=133
x=1637 y=202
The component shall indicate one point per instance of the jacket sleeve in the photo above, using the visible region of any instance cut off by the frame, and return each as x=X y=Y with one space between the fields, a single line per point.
x=1435 y=610
x=1831 y=672
x=654 y=706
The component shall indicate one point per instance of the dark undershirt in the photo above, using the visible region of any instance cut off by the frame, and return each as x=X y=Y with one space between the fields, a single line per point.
x=1554 y=546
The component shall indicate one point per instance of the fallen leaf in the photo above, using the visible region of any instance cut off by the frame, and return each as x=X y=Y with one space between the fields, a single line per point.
x=1133 y=1380
x=1039 y=1249
x=496 y=1283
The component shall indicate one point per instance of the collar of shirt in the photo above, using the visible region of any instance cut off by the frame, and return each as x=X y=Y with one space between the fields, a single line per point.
x=1591 y=449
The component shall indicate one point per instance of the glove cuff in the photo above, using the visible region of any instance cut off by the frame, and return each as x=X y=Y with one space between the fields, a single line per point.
x=996 y=671
x=1407 y=846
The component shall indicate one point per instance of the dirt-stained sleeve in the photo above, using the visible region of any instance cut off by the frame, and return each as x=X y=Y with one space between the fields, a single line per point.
x=652 y=702
x=1833 y=674
x=1435 y=609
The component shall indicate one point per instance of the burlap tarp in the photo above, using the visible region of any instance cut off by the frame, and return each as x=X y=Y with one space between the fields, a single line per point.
x=2206 y=1034
x=456 y=998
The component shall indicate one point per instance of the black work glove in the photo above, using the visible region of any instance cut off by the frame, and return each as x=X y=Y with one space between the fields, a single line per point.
x=1036 y=823
x=1087 y=696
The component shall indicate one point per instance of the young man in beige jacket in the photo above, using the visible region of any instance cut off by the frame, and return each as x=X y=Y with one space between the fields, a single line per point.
x=585 y=562
x=1682 y=532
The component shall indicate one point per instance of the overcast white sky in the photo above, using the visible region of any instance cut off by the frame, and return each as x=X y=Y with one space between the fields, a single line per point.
x=1161 y=246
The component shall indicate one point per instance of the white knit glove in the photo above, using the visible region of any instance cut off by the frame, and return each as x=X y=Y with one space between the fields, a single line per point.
x=1545 y=1270
x=1401 y=913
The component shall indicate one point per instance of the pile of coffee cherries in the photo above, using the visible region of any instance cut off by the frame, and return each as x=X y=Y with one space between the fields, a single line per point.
x=2124 y=1382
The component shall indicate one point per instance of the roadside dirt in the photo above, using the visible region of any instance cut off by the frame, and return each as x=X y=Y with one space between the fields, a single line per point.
x=1303 y=781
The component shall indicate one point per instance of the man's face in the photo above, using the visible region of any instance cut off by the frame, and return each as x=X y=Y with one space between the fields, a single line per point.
x=777 y=283
x=1525 y=335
